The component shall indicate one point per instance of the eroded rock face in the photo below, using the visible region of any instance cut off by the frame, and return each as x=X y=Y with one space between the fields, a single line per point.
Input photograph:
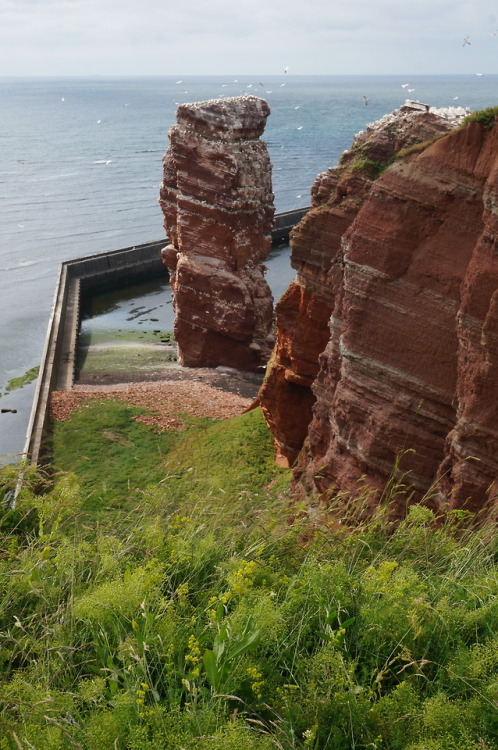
x=409 y=372
x=317 y=254
x=217 y=202
x=409 y=376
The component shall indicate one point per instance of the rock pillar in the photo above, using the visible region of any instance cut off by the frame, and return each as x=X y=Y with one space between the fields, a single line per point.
x=217 y=202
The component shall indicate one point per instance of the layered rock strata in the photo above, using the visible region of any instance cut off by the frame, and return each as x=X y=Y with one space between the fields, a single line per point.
x=317 y=254
x=408 y=379
x=407 y=383
x=217 y=202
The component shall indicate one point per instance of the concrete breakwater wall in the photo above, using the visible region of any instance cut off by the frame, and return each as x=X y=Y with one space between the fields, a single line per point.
x=77 y=277
x=83 y=276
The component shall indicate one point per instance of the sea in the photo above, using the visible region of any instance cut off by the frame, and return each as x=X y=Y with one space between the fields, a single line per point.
x=81 y=164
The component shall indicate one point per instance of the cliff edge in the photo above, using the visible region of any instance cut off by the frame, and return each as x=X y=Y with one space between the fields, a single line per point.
x=387 y=342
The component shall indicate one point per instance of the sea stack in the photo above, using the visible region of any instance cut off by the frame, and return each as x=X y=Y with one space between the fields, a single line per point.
x=218 y=208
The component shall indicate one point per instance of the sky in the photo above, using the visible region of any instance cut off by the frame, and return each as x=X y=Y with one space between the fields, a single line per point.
x=247 y=37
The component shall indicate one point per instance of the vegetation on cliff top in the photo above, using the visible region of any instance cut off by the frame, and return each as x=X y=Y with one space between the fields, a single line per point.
x=487 y=117
x=200 y=610
x=417 y=148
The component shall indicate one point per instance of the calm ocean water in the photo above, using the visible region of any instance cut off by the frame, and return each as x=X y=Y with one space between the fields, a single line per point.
x=80 y=167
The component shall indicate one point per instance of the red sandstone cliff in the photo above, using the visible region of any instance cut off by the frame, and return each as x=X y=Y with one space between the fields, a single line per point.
x=409 y=370
x=304 y=311
x=218 y=211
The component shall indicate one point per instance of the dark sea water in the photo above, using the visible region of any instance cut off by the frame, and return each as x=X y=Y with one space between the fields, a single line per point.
x=80 y=167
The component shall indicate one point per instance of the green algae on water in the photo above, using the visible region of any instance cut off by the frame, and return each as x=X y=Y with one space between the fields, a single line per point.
x=15 y=383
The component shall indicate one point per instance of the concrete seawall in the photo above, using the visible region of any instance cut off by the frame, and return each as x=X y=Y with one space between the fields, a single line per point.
x=86 y=275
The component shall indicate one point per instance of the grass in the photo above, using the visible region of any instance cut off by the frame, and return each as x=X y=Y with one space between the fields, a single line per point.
x=207 y=609
x=114 y=456
x=370 y=167
x=228 y=457
x=358 y=159
x=487 y=117
x=417 y=148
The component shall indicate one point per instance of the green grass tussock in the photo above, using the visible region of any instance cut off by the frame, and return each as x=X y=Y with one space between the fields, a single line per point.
x=417 y=148
x=370 y=167
x=487 y=117
x=189 y=608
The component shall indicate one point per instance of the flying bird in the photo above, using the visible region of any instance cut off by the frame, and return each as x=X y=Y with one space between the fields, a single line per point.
x=465 y=41
x=365 y=99
x=404 y=85
x=410 y=90
x=286 y=69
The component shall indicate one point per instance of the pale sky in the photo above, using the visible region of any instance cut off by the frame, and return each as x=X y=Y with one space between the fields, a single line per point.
x=225 y=37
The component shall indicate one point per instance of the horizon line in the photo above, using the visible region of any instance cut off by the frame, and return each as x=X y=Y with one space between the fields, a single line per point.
x=242 y=75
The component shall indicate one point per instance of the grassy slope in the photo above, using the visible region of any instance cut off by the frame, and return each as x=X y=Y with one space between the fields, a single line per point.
x=180 y=605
